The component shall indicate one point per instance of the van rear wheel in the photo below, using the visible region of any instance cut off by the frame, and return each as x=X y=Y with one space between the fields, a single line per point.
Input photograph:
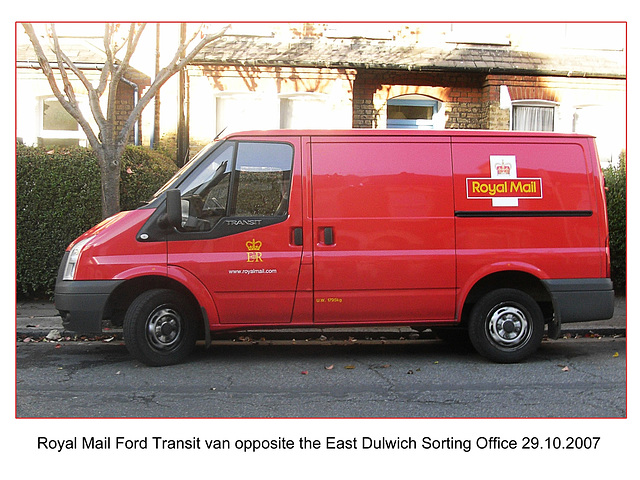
x=159 y=327
x=506 y=325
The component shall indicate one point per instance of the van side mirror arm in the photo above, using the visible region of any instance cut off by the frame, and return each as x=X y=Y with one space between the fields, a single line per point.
x=173 y=216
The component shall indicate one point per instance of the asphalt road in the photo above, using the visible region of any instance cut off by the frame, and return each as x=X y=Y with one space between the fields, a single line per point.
x=574 y=377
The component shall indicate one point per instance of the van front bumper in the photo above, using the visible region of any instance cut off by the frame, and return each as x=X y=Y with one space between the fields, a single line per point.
x=82 y=303
x=582 y=299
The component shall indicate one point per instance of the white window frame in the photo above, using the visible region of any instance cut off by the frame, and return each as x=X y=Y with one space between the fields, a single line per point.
x=535 y=103
x=266 y=116
x=320 y=100
x=414 y=100
x=48 y=134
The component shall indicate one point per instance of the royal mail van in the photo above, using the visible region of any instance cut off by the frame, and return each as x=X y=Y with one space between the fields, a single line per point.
x=496 y=233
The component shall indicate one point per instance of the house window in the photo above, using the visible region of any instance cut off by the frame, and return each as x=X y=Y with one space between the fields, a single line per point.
x=536 y=116
x=305 y=110
x=411 y=111
x=607 y=124
x=57 y=126
x=245 y=111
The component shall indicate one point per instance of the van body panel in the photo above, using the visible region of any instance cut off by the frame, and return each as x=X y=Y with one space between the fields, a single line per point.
x=389 y=207
x=114 y=253
x=200 y=292
x=546 y=215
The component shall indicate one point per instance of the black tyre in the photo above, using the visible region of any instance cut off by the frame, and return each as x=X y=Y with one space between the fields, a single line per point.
x=506 y=326
x=160 y=327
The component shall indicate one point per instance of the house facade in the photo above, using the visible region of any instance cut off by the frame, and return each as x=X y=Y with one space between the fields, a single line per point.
x=563 y=77
x=549 y=77
x=40 y=118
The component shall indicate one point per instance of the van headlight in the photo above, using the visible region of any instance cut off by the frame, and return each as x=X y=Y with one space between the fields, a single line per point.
x=74 y=255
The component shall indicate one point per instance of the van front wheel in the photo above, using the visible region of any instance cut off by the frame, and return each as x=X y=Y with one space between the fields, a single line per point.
x=506 y=325
x=159 y=327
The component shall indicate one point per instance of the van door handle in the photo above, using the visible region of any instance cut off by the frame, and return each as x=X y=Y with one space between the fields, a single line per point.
x=328 y=236
x=297 y=236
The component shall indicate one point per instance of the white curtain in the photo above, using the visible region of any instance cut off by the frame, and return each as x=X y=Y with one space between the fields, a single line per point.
x=533 y=118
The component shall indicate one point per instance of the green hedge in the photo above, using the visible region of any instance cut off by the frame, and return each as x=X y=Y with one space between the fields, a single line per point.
x=616 y=182
x=58 y=197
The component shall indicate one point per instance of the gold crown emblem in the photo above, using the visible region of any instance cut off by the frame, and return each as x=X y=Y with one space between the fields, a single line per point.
x=503 y=168
x=254 y=245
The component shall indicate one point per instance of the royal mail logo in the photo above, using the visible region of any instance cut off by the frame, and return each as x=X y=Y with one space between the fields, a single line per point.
x=504 y=188
x=508 y=188
x=253 y=251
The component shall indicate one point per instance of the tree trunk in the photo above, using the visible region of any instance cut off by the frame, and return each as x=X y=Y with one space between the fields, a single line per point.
x=109 y=160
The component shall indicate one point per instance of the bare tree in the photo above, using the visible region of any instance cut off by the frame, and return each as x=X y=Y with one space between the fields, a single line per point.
x=109 y=142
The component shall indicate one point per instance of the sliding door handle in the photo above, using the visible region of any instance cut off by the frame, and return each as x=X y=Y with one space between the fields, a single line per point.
x=297 y=236
x=328 y=236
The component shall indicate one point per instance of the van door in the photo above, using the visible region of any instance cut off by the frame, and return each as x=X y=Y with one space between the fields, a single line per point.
x=240 y=231
x=383 y=226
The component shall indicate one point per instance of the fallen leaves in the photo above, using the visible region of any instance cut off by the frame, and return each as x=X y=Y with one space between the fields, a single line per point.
x=53 y=335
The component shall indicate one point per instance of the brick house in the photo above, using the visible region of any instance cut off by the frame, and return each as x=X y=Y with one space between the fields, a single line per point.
x=41 y=120
x=440 y=75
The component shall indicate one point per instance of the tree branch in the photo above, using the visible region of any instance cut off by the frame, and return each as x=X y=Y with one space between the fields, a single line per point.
x=165 y=74
x=72 y=108
x=94 y=97
x=132 y=43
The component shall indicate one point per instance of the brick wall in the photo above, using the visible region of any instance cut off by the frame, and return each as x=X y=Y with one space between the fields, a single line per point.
x=462 y=95
x=123 y=106
x=564 y=91
x=470 y=100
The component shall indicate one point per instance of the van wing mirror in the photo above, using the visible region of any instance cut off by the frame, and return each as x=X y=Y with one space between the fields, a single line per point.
x=173 y=216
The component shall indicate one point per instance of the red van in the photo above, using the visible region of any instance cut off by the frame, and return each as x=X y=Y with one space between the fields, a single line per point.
x=496 y=233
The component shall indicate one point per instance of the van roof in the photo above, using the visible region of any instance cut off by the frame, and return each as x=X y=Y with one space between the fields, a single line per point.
x=359 y=132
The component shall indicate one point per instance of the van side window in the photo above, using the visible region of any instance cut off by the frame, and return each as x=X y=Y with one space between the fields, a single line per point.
x=258 y=185
x=205 y=193
x=263 y=179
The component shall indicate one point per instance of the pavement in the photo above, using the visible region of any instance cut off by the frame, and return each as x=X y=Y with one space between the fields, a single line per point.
x=37 y=319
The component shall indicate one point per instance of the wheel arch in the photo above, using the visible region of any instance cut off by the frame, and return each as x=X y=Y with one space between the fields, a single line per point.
x=516 y=279
x=122 y=297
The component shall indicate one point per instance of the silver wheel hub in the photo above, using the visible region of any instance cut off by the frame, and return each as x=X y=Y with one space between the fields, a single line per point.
x=164 y=328
x=508 y=326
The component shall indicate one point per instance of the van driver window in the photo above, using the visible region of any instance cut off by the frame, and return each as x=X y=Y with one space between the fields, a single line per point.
x=259 y=187
x=263 y=179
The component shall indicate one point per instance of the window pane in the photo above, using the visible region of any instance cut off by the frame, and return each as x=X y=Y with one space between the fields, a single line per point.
x=533 y=118
x=55 y=117
x=305 y=112
x=221 y=159
x=263 y=178
x=206 y=190
x=409 y=112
